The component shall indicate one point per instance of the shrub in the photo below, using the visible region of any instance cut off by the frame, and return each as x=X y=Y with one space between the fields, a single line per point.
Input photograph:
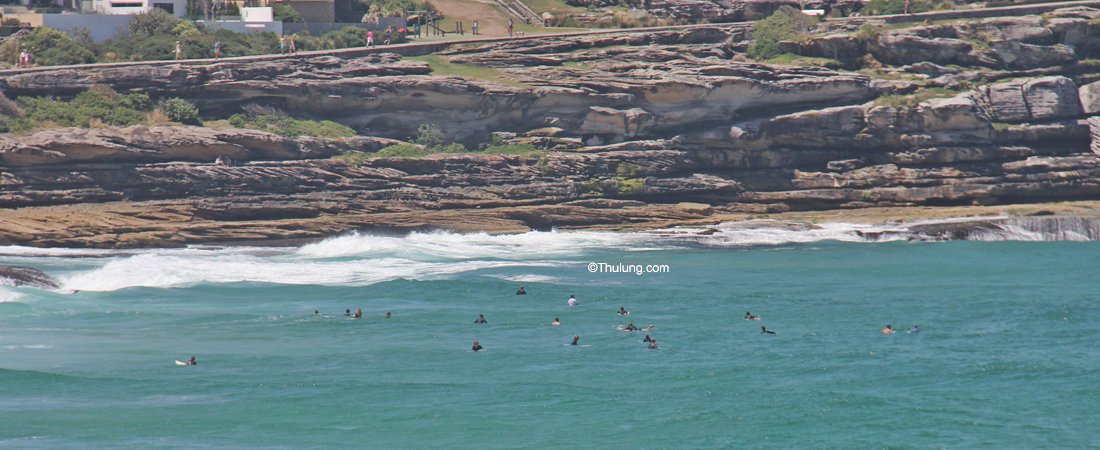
x=153 y=22
x=354 y=159
x=180 y=110
x=291 y=127
x=429 y=135
x=285 y=14
x=98 y=105
x=787 y=23
x=49 y=47
x=879 y=7
x=404 y=150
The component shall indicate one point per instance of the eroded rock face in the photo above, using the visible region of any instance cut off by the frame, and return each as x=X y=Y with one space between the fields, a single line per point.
x=1033 y=99
x=635 y=127
x=169 y=143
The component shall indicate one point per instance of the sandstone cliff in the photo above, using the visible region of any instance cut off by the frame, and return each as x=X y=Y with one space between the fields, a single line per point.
x=657 y=127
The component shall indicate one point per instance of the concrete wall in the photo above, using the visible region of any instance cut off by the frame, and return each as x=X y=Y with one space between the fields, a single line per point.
x=317 y=29
x=102 y=27
x=241 y=27
x=106 y=26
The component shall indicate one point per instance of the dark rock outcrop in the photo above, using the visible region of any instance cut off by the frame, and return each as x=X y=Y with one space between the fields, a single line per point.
x=26 y=276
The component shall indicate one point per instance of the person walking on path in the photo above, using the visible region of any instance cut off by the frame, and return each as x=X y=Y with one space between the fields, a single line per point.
x=282 y=44
x=217 y=49
x=475 y=27
x=179 y=51
x=510 y=27
x=370 y=38
x=293 y=45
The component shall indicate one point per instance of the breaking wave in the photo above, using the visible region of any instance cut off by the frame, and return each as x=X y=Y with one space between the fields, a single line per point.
x=362 y=259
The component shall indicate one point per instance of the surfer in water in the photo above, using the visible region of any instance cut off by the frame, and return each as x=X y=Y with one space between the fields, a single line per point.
x=480 y=319
x=388 y=315
x=572 y=300
x=647 y=339
x=347 y=313
x=915 y=329
x=887 y=330
x=576 y=337
x=749 y=316
x=630 y=327
x=358 y=313
x=192 y=361
x=477 y=347
x=556 y=322
x=521 y=291
x=766 y=331
x=653 y=344
x=623 y=311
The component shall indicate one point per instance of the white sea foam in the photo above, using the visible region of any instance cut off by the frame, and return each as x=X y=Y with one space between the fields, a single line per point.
x=436 y=245
x=770 y=232
x=7 y=295
x=531 y=278
x=362 y=259
x=167 y=270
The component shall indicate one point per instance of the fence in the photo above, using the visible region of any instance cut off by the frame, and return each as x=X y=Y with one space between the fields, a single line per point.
x=317 y=29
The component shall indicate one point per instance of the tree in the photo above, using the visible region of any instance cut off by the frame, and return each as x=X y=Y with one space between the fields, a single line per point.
x=787 y=23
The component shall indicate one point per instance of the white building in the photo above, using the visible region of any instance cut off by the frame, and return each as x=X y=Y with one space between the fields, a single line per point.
x=177 y=8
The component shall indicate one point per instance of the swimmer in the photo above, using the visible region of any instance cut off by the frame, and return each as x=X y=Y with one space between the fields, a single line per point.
x=766 y=331
x=915 y=329
x=556 y=322
x=358 y=313
x=576 y=338
x=572 y=300
x=653 y=344
x=630 y=327
x=521 y=291
x=888 y=330
x=480 y=319
x=477 y=347
x=316 y=312
x=347 y=313
x=388 y=315
x=192 y=361
x=623 y=311
x=749 y=316
x=647 y=339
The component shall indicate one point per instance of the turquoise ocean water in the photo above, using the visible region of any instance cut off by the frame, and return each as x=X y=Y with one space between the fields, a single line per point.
x=1008 y=355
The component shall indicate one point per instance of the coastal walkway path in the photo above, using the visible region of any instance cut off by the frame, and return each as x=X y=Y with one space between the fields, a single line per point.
x=423 y=48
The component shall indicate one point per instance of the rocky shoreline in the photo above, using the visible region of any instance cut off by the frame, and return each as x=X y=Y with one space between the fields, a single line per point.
x=630 y=130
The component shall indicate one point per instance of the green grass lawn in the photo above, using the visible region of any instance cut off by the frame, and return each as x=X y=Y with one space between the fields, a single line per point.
x=442 y=67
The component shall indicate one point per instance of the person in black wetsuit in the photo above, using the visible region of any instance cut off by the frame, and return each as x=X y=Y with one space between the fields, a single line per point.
x=647 y=339
x=576 y=338
x=623 y=311
x=192 y=361
x=388 y=315
x=477 y=347
x=480 y=319
x=347 y=313
x=766 y=331
x=521 y=291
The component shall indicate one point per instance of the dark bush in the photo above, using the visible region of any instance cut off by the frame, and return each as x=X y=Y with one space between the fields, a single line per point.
x=180 y=110
x=786 y=24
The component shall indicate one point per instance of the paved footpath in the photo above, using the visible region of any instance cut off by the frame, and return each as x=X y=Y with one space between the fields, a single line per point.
x=422 y=48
